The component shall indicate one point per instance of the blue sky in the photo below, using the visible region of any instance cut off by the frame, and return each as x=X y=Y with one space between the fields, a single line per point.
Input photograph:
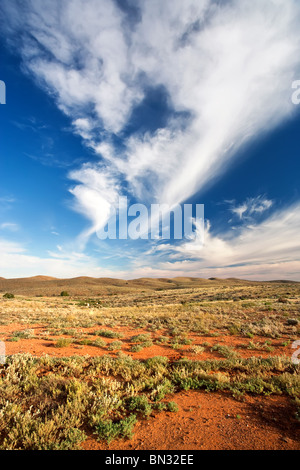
x=163 y=102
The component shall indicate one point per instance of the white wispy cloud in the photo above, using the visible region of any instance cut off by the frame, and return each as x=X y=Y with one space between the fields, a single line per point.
x=6 y=202
x=267 y=250
x=259 y=250
x=251 y=207
x=229 y=66
x=11 y=226
x=16 y=261
x=226 y=68
x=96 y=195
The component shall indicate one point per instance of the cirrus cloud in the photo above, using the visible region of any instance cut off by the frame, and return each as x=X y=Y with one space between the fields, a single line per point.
x=225 y=69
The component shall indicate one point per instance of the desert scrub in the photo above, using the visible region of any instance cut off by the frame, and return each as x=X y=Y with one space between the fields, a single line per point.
x=99 y=343
x=142 y=338
x=84 y=342
x=181 y=340
x=253 y=345
x=176 y=345
x=24 y=334
x=246 y=376
x=31 y=422
x=110 y=430
x=29 y=431
x=172 y=406
x=115 y=346
x=136 y=348
x=142 y=341
x=162 y=340
x=64 y=294
x=8 y=295
x=225 y=351
x=140 y=346
x=160 y=387
x=265 y=327
x=50 y=402
x=197 y=349
x=140 y=404
x=63 y=342
x=109 y=334
x=235 y=329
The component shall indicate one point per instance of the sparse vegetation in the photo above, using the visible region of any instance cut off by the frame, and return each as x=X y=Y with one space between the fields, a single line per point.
x=8 y=296
x=109 y=334
x=64 y=293
x=138 y=350
x=63 y=343
x=115 y=346
x=172 y=406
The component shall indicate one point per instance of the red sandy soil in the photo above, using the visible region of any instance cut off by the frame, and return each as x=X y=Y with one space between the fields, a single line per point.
x=214 y=421
x=39 y=347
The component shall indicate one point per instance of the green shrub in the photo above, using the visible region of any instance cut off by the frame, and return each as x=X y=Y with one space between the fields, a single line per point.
x=8 y=296
x=181 y=340
x=63 y=343
x=225 y=351
x=172 y=406
x=109 y=334
x=64 y=294
x=142 y=338
x=136 y=348
x=160 y=406
x=24 y=334
x=115 y=346
x=162 y=339
x=110 y=430
x=140 y=404
x=99 y=343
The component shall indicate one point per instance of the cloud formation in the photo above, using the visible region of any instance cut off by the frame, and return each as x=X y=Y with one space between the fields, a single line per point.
x=258 y=251
x=228 y=66
x=251 y=207
x=225 y=69
x=263 y=251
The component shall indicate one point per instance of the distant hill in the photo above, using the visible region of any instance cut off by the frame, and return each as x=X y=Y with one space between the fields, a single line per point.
x=89 y=286
x=41 y=278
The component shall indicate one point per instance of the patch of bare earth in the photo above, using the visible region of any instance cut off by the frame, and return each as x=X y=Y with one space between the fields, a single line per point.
x=39 y=347
x=214 y=421
x=204 y=420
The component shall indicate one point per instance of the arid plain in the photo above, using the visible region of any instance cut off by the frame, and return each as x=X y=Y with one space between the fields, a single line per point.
x=183 y=363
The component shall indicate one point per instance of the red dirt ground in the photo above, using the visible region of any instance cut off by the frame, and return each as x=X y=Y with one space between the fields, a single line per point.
x=211 y=421
x=39 y=347
x=214 y=422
